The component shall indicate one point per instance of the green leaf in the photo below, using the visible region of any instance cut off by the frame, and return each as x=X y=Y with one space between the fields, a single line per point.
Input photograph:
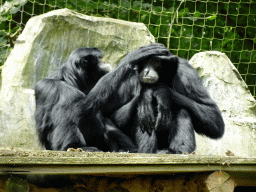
x=156 y=30
x=211 y=17
x=197 y=14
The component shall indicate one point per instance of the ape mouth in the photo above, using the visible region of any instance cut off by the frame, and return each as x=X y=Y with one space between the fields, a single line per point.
x=106 y=67
x=149 y=80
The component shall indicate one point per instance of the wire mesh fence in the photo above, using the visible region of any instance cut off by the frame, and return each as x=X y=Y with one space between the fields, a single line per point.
x=186 y=27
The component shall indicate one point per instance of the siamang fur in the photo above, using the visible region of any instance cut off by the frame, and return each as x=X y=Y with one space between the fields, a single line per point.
x=155 y=98
x=59 y=101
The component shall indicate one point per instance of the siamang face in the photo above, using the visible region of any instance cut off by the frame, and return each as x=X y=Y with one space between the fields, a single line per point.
x=150 y=71
x=88 y=59
x=158 y=69
x=93 y=64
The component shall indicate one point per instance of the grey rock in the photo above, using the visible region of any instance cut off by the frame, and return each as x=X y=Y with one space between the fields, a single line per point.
x=234 y=99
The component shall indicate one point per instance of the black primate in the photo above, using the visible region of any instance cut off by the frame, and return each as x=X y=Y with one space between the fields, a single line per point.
x=60 y=98
x=170 y=98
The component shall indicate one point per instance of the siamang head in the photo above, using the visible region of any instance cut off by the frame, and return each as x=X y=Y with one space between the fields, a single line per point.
x=83 y=68
x=158 y=69
x=88 y=60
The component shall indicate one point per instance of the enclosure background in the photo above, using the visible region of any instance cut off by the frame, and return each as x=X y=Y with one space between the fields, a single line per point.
x=186 y=27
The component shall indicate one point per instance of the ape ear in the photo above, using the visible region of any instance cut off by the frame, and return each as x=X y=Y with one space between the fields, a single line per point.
x=79 y=62
x=136 y=69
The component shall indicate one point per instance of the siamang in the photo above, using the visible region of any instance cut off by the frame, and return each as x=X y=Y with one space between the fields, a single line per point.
x=155 y=98
x=60 y=98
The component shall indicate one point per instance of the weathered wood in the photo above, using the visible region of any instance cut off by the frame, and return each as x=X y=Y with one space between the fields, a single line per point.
x=23 y=157
x=52 y=162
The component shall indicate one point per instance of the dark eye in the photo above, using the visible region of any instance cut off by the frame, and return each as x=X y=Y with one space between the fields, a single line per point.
x=84 y=62
x=157 y=64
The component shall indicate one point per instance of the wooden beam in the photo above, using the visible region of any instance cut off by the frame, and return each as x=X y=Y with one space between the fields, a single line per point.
x=100 y=158
x=52 y=162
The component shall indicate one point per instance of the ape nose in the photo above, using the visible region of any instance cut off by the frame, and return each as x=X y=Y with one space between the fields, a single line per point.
x=146 y=72
x=149 y=75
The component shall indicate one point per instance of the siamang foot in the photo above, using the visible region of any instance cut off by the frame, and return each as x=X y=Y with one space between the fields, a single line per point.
x=91 y=149
x=126 y=151
x=180 y=149
x=162 y=151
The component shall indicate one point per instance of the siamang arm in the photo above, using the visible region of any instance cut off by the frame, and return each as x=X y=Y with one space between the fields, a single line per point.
x=161 y=94
x=122 y=116
x=143 y=53
x=189 y=93
x=206 y=117
x=146 y=112
x=151 y=113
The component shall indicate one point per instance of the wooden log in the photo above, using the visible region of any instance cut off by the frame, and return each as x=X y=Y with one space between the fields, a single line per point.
x=15 y=183
x=220 y=182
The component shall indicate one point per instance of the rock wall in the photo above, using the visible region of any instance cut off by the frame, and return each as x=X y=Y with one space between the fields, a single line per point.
x=234 y=99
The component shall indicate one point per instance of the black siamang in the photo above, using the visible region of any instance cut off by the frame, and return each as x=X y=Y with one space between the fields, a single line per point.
x=59 y=101
x=157 y=99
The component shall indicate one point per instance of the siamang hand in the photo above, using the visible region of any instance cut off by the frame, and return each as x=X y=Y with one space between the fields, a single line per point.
x=155 y=108
x=144 y=52
x=146 y=111
x=164 y=115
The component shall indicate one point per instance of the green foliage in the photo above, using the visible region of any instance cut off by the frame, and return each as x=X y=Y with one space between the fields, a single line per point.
x=185 y=26
x=8 y=9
